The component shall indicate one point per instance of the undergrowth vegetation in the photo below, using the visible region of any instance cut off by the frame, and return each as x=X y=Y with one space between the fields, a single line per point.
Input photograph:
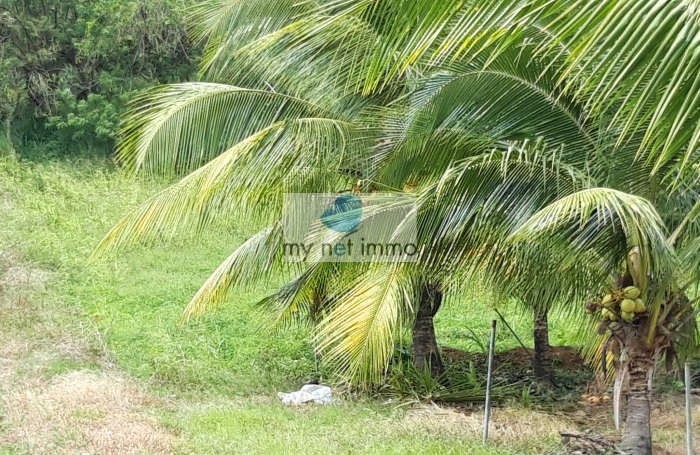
x=226 y=368
x=57 y=211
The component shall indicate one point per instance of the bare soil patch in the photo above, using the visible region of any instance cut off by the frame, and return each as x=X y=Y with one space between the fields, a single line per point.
x=565 y=357
x=566 y=413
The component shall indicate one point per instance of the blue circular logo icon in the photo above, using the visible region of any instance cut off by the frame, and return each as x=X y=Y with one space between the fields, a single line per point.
x=345 y=214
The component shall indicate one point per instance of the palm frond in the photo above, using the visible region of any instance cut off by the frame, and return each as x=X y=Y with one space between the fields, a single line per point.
x=460 y=115
x=638 y=59
x=379 y=41
x=223 y=25
x=176 y=128
x=309 y=297
x=249 y=179
x=358 y=336
x=257 y=259
x=491 y=195
x=583 y=217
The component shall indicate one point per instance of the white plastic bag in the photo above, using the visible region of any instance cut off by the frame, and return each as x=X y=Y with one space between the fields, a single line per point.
x=319 y=394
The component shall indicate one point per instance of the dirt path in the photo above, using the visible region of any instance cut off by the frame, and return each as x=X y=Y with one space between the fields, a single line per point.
x=60 y=393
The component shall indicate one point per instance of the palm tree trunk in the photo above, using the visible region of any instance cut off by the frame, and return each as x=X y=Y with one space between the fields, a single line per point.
x=636 y=437
x=542 y=361
x=425 y=347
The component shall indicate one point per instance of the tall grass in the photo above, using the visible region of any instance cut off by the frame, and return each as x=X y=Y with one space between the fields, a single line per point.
x=225 y=369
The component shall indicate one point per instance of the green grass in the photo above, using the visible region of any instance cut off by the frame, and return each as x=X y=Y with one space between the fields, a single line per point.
x=348 y=429
x=220 y=366
x=465 y=322
x=59 y=213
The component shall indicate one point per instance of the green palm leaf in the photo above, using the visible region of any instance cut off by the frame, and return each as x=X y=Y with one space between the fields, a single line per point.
x=171 y=129
x=225 y=25
x=358 y=335
x=645 y=56
x=249 y=178
x=257 y=259
x=582 y=217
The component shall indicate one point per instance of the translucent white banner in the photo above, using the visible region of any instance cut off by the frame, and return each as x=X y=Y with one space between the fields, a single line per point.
x=348 y=227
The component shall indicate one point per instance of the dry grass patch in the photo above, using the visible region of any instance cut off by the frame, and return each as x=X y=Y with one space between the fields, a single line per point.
x=509 y=425
x=97 y=412
x=25 y=277
x=14 y=274
x=667 y=422
x=73 y=412
x=668 y=426
x=519 y=426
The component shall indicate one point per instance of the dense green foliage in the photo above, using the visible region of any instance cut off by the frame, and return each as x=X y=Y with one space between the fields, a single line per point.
x=68 y=68
x=539 y=161
x=223 y=370
x=553 y=159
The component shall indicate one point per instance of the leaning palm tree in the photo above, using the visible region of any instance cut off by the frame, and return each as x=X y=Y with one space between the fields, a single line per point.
x=292 y=130
x=410 y=134
x=340 y=46
x=643 y=91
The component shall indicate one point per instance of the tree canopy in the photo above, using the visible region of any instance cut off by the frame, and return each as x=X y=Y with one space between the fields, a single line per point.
x=550 y=148
x=68 y=68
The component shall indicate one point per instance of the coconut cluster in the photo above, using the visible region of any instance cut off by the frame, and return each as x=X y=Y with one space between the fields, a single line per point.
x=620 y=304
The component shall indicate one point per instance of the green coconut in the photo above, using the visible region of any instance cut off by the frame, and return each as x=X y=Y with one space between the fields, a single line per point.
x=627 y=316
x=627 y=305
x=639 y=306
x=631 y=292
x=608 y=314
x=607 y=300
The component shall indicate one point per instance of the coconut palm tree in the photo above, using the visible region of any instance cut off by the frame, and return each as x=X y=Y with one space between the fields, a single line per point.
x=449 y=93
x=350 y=39
x=410 y=134
x=643 y=91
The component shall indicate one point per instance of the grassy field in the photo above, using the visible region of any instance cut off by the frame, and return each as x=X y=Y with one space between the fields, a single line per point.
x=93 y=358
